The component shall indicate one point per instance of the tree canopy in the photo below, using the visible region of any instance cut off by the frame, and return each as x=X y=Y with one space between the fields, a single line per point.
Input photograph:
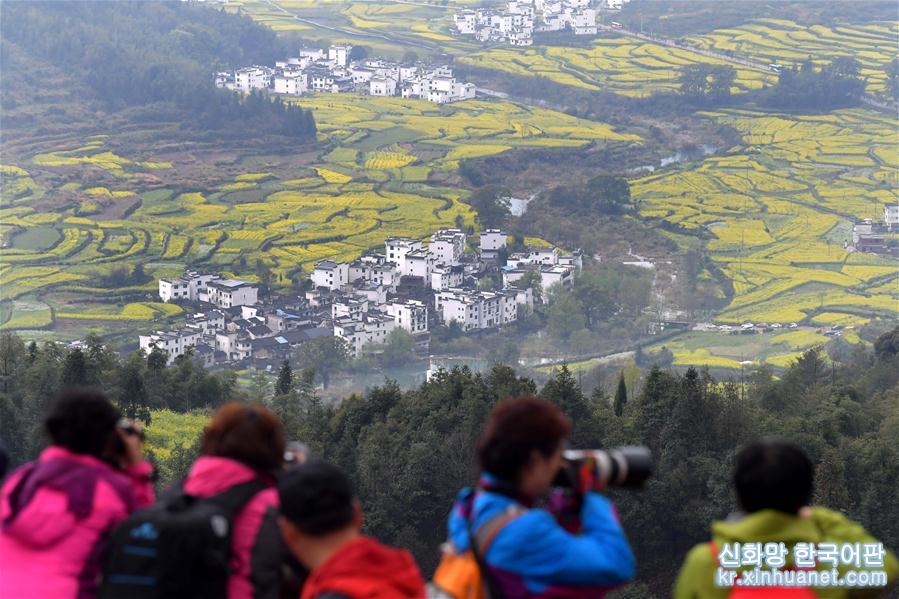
x=139 y=53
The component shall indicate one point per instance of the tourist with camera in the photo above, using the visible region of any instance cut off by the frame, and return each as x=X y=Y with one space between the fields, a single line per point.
x=774 y=480
x=521 y=549
x=57 y=511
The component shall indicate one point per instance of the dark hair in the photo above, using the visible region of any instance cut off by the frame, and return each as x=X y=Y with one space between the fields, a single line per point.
x=249 y=434
x=516 y=427
x=317 y=498
x=82 y=420
x=773 y=474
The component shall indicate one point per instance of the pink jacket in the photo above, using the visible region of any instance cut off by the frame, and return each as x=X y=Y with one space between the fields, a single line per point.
x=258 y=552
x=53 y=524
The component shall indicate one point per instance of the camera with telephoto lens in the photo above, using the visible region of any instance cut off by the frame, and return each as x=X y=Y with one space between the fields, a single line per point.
x=595 y=469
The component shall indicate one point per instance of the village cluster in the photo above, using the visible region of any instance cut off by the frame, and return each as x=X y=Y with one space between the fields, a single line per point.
x=520 y=19
x=411 y=286
x=876 y=237
x=334 y=71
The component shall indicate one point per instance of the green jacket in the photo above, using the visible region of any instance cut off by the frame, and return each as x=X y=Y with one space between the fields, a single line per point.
x=697 y=576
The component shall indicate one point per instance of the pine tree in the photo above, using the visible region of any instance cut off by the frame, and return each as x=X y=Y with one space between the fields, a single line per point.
x=133 y=399
x=620 y=396
x=74 y=370
x=285 y=379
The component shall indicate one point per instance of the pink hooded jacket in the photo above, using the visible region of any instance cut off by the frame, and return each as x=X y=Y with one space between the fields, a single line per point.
x=258 y=552
x=53 y=525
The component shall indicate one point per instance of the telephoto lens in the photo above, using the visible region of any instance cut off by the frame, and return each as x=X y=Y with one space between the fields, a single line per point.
x=596 y=469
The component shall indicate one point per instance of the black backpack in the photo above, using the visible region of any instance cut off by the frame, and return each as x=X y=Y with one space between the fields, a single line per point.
x=179 y=547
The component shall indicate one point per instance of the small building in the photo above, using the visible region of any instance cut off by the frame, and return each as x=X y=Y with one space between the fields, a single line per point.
x=332 y=275
x=418 y=263
x=447 y=277
x=382 y=86
x=191 y=286
x=232 y=292
x=891 y=215
x=556 y=275
x=447 y=246
x=294 y=85
x=340 y=54
x=371 y=329
x=396 y=249
x=493 y=240
x=476 y=310
x=410 y=315
x=250 y=78
x=174 y=343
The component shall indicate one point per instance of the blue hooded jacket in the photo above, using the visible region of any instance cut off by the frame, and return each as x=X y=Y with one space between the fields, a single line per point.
x=533 y=556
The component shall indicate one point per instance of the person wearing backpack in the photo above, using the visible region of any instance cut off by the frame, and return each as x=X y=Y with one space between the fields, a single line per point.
x=515 y=549
x=774 y=480
x=56 y=512
x=321 y=521
x=215 y=534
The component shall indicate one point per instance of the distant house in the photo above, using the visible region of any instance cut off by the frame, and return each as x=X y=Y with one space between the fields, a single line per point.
x=340 y=54
x=370 y=329
x=410 y=315
x=891 y=215
x=232 y=292
x=476 y=310
x=191 y=286
x=250 y=78
x=294 y=85
x=447 y=246
x=382 y=86
x=174 y=343
x=330 y=274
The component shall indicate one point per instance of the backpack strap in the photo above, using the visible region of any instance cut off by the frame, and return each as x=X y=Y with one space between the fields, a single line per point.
x=487 y=532
x=234 y=498
x=481 y=540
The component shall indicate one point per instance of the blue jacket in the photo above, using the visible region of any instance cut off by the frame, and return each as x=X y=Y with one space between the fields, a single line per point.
x=533 y=556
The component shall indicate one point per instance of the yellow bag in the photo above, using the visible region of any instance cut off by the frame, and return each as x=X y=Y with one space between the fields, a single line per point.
x=460 y=575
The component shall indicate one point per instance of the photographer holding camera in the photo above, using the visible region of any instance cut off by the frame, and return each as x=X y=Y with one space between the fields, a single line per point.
x=56 y=512
x=522 y=550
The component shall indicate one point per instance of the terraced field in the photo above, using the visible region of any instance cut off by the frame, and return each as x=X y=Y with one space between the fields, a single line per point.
x=413 y=26
x=776 y=40
x=777 y=212
x=619 y=64
x=632 y=67
x=370 y=180
x=719 y=350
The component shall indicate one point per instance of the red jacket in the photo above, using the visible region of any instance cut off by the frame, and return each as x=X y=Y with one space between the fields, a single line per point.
x=257 y=550
x=366 y=569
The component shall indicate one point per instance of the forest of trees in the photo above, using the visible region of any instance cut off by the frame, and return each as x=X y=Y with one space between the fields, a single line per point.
x=807 y=87
x=408 y=452
x=138 y=53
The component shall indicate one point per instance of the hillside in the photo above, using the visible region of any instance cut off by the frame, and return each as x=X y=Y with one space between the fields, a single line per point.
x=116 y=192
